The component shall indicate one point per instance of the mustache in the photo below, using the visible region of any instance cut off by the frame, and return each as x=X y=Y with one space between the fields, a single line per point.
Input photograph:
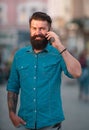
x=39 y=35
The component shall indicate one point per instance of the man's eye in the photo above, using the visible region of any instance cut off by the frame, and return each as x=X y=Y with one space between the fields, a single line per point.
x=34 y=28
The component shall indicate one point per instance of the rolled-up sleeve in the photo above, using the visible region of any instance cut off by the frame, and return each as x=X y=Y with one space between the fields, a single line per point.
x=64 y=68
x=13 y=81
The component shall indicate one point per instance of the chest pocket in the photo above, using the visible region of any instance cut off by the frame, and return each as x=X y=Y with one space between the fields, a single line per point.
x=24 y=71
x=50 y=69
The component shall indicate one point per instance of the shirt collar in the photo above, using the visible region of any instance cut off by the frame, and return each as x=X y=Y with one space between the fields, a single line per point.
x=46 y=49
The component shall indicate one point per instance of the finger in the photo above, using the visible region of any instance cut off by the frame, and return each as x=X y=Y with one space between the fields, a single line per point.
x=48 y=37
x=48 y=34
x=22 y=121
x=51 y=39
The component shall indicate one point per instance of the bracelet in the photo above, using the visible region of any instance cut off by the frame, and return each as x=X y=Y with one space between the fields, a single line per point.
x=63 y=50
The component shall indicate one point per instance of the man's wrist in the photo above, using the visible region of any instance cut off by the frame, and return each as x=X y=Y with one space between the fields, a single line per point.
x=11 y=113
x=63 y=50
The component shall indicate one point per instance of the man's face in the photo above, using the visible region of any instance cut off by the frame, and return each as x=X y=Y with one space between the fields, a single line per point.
x=38 y=30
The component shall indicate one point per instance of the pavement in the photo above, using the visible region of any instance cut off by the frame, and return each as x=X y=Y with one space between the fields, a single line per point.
x=76 y=111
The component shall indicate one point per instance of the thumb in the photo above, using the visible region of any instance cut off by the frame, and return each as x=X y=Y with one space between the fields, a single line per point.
x=22 y=122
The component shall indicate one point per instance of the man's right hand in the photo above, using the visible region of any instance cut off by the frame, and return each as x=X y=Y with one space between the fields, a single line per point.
x=16 y=120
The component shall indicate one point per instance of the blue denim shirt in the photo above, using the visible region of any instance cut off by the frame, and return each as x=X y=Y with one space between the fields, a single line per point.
x=38 y=77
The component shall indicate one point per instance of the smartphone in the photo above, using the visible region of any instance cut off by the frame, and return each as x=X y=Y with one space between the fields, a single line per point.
x=51 y=40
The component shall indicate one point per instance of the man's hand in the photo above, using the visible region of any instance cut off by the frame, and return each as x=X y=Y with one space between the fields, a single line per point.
x=16 y=120
x=56 y=42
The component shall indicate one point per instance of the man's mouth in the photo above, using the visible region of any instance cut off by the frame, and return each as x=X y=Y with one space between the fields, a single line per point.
x=38 y=38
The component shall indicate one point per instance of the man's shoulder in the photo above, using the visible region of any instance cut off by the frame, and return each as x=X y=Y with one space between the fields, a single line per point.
x=21 y=51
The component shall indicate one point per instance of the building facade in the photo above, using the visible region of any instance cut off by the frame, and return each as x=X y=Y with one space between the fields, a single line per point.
x=63 y=13
x=16 y=12
x=14 y=26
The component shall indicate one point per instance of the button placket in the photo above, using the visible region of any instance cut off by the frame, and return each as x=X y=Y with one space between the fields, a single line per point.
x=34 y=89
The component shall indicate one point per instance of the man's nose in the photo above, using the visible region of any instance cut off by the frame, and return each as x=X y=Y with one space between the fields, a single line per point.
x=38 y=31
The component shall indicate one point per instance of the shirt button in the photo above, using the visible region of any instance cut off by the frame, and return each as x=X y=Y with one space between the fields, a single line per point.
x=35 y=66
x=35 y=77
x=34 y=100
x=34 y=88
x=35 y=111
x=21 y=67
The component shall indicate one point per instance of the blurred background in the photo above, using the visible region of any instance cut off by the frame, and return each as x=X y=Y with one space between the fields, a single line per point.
x=71 y=23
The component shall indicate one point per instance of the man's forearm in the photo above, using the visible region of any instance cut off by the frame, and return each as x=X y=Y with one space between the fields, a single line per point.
x=12 y=101
x=73 y=65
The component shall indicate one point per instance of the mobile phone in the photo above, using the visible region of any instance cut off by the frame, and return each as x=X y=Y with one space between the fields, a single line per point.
x=51 y=40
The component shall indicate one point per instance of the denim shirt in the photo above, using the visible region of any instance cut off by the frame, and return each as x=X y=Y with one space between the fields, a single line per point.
x=37 y=77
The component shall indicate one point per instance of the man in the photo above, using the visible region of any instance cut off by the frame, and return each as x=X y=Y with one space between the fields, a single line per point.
x=36 y=75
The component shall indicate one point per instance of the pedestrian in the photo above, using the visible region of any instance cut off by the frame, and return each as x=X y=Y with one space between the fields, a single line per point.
x=36 y=76
x=83 y=80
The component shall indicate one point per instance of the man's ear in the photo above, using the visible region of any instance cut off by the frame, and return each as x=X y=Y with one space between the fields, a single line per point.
x=50 y=29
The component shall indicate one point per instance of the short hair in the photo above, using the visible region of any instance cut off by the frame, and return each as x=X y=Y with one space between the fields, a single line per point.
x=41 y=16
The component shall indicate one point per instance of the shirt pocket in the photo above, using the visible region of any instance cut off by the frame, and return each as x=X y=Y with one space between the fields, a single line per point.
x=24 y=71
x=50 y=69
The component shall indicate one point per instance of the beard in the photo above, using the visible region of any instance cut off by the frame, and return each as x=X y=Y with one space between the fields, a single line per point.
x=38 y=44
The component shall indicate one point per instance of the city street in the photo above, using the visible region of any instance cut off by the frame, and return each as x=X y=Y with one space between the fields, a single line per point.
x=76 y=112
x=67 y=23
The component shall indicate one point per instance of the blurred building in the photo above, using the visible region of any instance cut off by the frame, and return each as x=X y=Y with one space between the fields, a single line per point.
x=68 y=9
x=71 y=20
x=81 y=16
x=14 y=27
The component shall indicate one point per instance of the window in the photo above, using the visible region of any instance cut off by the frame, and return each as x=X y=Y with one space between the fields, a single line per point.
x=27 y=9
x=86 y=8
x=22 y=14
x=2 y=13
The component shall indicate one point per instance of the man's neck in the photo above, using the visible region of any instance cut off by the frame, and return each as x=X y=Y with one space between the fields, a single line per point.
x=37 y=51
